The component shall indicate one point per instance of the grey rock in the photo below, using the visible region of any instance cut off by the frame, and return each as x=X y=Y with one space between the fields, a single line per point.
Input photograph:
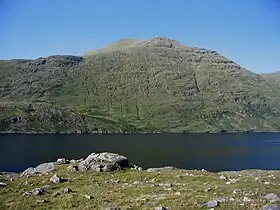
x=67 y=190
x=72 y=168
x=36 y=191
x=103 y=162
x=55 y=179
x=166 y=168
x=88 y=197
x=3 y=184
x=271 y=207
x=237 y=191
x=40 y=169
x=272 y=197
x=160 y=208
x=167 y=185
x=45 y=168
x=211 y=204
x=223 y=177
x=28 y=171
x=61 y=161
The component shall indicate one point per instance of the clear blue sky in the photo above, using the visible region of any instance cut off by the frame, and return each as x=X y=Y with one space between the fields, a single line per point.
x=246 y=31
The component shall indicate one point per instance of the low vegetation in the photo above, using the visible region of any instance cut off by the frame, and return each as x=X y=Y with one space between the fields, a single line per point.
x=131 y=189
x=157 y=84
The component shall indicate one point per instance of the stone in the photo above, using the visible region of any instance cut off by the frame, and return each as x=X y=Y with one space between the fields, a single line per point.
x=61 y=161
x=223 y=177
x=177 y=193
x=88 y=197
x=207 y=189
x=246 y=199
x=67 y=190
x=41 y=201
x=3 y=184
x=104 y=162
x=203 y=170
x=211 y=204
x=272 y=197
x=160 y=208
x=167 y=185
x=72 y=168
x=29 y=171
x=237 y=191
x=267 y=183
x=55 y=179
x=43 y=168
x=271 y=207
x=36 y=191
x=166 y=168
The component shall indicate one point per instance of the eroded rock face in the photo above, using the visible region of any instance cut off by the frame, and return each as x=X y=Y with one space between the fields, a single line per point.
x=104 y=162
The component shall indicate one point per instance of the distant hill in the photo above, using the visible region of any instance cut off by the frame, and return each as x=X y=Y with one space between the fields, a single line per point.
x=157 y=84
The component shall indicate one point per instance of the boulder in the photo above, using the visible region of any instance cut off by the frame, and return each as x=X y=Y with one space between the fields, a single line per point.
x=104 y=162
x=61 y=161
x=40 y=169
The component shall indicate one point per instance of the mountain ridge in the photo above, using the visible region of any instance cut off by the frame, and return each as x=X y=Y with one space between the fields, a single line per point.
x=156 y=84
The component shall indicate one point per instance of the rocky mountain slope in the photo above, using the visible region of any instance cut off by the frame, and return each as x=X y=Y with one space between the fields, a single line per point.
x=154 y=85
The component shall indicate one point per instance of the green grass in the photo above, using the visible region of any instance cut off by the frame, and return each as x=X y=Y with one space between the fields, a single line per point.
x=156 y=84
x=130 y=189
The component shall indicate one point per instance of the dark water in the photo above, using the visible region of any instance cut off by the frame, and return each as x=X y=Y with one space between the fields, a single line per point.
x=214 y=152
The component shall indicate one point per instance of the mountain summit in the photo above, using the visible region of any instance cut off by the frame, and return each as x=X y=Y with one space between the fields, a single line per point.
x=154 y=84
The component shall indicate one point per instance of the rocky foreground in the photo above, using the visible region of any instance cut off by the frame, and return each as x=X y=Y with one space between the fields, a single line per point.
x=109 y=181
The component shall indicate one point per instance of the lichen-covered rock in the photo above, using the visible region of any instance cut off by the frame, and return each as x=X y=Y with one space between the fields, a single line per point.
x=104 y=162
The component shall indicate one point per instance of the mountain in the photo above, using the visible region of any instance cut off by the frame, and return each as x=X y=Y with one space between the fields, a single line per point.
x=157 y=84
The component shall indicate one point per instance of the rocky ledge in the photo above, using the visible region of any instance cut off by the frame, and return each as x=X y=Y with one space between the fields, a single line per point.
x=110 y=181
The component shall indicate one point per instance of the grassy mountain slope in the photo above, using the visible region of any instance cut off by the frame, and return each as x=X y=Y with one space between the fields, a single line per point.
x=155 y=84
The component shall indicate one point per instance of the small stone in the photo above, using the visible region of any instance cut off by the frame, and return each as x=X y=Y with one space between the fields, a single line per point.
x=271 y=207
x=246 y=199
x=272 y=197
x=160 y=208
x=41 y=201
x=223 y=177
x=203 y=170
x=267 y=183
x=177 y=193
x=88 y=197
x=237 y=191
x=207 y=189
x=55 y=179
x=168 y=185
x=211 y=204
x=67 y=190
x=36 y=191
x=72 y=168
x=3 y=184
x=11 y=179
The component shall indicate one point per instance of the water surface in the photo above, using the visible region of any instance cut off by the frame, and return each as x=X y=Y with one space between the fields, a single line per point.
x=214 y=152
